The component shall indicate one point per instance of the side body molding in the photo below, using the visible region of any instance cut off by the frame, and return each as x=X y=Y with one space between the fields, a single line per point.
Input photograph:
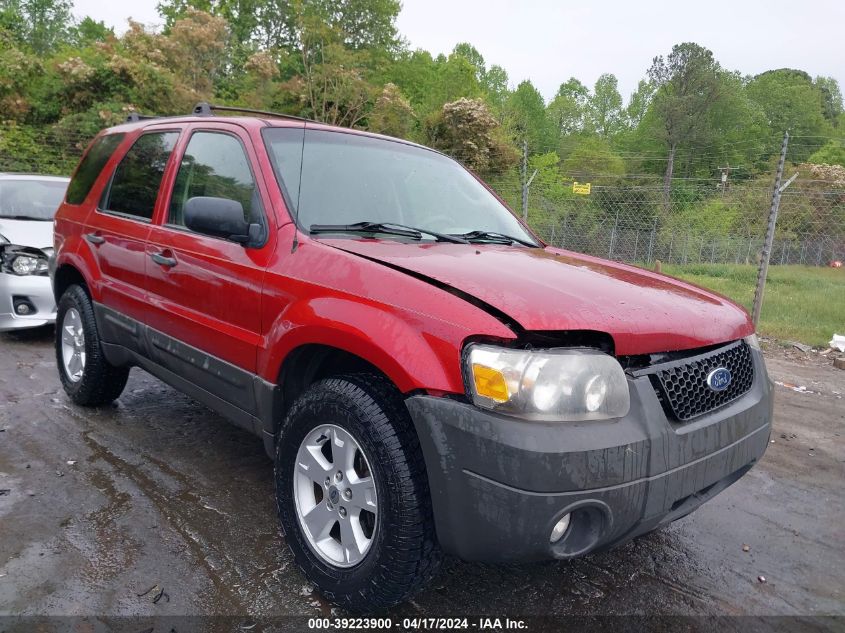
x=239 y=395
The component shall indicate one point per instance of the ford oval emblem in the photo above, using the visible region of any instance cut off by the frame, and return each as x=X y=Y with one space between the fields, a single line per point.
x=719 y=379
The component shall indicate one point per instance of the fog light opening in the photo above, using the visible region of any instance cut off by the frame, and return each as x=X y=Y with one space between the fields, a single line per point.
x=23 y=306
x=559 y=529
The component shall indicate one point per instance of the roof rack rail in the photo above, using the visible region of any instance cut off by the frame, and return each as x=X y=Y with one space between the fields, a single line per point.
x=134 y=117
x=207 y=109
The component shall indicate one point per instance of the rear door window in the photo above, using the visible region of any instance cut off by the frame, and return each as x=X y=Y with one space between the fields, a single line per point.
x=90 y=167
x=134 y=186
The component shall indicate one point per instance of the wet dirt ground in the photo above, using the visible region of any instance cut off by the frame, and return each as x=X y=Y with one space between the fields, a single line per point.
x=98 y=506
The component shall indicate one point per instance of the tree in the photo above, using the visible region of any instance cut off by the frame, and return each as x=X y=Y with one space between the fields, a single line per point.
x=197 y=45
x=471 y=54
x=831 y=97
x=687 y=83
x=639 y=102
x=18 y=68
x=89 y=31
x=415 y=73
x=593 y=160
x=274 y=24
x=495 y=86
x=833 y=153
x=468 y=131
x=332 y=87
x=567 y=109
x=527 y=115
x=369 y=24
x=392 y=113
x=790 y=102
x=41 y=25
x=604 y=106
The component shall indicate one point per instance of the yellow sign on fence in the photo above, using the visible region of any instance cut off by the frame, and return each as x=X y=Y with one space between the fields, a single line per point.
x=582 y=188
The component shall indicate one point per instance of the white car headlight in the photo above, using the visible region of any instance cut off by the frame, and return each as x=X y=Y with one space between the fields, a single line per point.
x=551 y=385
x=25 y=265
x=22 y=260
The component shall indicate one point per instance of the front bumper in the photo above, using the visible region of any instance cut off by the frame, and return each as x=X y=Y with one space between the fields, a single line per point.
x=37 y=290
x=499 y=484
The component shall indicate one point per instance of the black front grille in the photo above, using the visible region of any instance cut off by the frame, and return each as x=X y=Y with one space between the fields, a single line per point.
x=683 y=385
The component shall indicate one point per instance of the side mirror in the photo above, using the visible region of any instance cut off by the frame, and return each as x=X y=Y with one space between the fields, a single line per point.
x=219 y=217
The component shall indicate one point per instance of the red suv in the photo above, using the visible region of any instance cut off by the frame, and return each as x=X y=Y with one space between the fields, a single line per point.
x=428 y=376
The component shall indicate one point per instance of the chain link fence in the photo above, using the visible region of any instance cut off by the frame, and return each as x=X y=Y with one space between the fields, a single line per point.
x=634 y=218
x=631 y=223
x=625 y=217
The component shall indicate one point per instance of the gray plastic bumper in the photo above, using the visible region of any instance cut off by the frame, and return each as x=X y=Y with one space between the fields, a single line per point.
x=500 y=484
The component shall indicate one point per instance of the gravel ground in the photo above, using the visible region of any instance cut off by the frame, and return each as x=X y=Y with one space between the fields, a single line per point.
x=98 y=506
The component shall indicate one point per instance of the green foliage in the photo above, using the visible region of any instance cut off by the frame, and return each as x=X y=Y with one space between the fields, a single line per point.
x=392 y=113
x=831 y=97
x=466 y=130
x=568 y=108
x=604 y=107
x=831 y=154
x=791 y=102
x=39 y=25
x=17 y=70
x=594 y=161
x=89 y=31
x=527 y=113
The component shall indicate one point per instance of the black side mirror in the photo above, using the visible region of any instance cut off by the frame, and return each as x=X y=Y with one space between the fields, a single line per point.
x=219 y=217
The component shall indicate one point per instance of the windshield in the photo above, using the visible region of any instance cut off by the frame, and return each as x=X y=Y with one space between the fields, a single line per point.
x=31 y=199
x=337 y=178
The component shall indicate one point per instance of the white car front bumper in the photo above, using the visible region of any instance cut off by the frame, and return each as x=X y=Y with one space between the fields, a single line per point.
x=34 y=288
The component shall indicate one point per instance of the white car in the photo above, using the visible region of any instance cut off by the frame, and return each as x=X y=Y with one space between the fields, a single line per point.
x=28 y=203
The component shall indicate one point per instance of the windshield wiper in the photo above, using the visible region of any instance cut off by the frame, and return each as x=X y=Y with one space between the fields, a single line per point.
x=390 y=228
x=491 y=236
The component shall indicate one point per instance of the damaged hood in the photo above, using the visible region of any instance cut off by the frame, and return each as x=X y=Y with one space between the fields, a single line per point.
x=547 y=289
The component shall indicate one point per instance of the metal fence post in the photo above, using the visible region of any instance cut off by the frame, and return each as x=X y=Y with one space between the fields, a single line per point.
x=613 y=235
x=563 y=233
x=651 y=241
x=525 y=180
x=763 y=271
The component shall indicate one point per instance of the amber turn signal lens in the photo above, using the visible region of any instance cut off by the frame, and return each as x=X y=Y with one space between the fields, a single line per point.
x=490 y=383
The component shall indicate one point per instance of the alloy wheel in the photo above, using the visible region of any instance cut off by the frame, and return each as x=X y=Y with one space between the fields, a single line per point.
x=73 y=345
x=335 y=496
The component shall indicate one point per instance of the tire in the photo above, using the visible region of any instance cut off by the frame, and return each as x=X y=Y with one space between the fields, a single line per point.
x=97 y=382
x=403 y=553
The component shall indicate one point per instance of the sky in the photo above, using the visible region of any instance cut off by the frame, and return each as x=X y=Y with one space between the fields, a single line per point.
x=548 y=41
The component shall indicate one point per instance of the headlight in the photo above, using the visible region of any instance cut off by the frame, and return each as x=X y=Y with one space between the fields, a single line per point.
x=554 y=385
x=24 y=265
x=22 y=260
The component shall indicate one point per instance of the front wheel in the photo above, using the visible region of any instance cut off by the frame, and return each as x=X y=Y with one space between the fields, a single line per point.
x=87 y=377
x=352 y=493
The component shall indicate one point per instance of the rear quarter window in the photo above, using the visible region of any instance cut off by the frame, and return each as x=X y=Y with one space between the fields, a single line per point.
x=90 y=167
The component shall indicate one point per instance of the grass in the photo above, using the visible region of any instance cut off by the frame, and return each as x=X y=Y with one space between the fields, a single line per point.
x=801 y=303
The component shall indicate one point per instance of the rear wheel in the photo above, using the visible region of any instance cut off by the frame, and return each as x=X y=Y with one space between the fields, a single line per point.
x=353 y=494
x=87 y=377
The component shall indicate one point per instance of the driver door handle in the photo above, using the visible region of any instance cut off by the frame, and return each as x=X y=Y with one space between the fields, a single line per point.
x=93 y=238
x=163 y=260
